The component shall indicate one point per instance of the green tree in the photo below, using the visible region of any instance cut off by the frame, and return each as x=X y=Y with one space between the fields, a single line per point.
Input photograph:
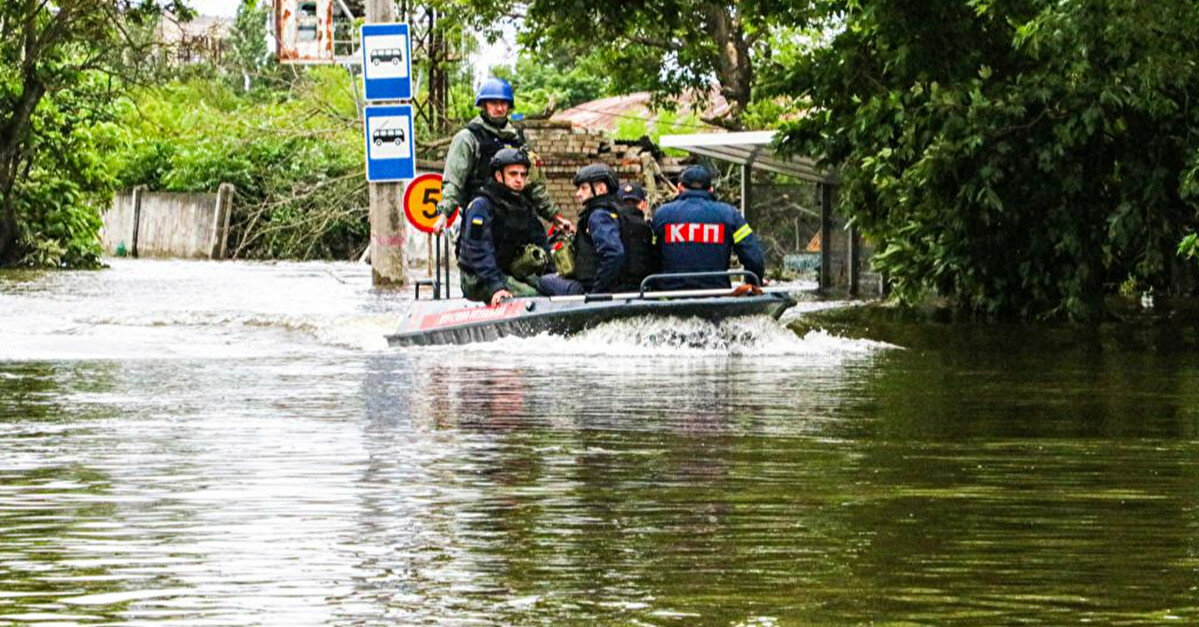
x=248 y=41
x=551 y=82
x=1018 y=157
x=60 y=69
x=294 y=156
x=661 y=46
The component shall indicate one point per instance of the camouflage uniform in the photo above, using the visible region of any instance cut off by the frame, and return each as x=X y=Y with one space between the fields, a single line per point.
x=462 y=160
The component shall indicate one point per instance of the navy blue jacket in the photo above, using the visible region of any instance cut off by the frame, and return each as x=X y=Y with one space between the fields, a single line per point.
x=696 y=233
x=476 y=246
x=487 y=244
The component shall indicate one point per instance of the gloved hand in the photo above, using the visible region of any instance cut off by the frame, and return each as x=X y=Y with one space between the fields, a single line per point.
x=747 y=289
x=563 y=224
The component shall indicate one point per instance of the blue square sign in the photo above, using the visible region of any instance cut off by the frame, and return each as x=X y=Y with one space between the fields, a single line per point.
x=387 y=61
x=390 y=153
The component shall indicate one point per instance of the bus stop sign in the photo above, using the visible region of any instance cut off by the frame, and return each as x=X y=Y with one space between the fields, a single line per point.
x=389 y=147
x=387 y=62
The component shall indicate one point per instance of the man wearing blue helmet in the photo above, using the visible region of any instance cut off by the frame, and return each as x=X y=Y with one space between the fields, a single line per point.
x=467 y=164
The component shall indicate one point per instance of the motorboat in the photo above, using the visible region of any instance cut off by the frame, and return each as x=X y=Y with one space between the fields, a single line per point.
x=458 y=321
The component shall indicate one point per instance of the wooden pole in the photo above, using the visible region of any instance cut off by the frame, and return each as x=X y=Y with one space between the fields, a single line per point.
x=389 y=268
x=826 y=236
x=855 y=254
x=139 y=193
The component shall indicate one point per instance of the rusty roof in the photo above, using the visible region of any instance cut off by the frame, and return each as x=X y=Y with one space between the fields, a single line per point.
x=608 y=113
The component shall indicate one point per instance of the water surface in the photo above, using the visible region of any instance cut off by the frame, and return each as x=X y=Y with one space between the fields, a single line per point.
x=226 y=443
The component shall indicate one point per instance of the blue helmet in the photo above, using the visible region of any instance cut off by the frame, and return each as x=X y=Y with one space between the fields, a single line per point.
x=495 y=89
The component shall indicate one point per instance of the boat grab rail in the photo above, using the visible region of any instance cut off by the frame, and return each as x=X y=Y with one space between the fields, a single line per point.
x=439 y=281
x=644 y=294
x=749 y=276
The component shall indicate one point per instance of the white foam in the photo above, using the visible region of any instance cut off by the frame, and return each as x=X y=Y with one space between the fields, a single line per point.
x=365 y=333
x=691 y=337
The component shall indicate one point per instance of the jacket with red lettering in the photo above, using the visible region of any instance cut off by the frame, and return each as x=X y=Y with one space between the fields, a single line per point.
x=696 y=233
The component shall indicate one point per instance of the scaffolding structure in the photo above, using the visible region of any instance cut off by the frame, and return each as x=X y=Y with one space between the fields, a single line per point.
x=326 y=32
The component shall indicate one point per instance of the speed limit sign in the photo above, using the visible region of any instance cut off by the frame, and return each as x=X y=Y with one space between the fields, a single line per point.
x=420 y=202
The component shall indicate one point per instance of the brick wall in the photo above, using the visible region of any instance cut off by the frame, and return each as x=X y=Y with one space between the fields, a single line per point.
x=561 y=149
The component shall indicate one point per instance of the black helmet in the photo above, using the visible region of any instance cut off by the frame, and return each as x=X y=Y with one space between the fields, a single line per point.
x=509 y=156
x=596 y=173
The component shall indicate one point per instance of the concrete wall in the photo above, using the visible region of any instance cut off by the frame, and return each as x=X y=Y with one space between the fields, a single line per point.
x=117 y=230
x=165 y=224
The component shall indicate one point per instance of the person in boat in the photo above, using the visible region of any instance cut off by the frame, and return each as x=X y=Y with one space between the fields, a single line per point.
x=637 y=235
x=501 y=237
x=613 y=247
x=467 y=164
x=697 y=233
x=634 y=196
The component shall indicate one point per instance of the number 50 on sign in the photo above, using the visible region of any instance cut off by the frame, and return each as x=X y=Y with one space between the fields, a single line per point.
x=420 y=202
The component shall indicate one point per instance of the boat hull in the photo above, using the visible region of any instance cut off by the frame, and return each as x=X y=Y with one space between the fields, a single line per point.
x=461 y=322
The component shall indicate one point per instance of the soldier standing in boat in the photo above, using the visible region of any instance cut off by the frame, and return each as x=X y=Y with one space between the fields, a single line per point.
x=697 y=233
x=467 y=164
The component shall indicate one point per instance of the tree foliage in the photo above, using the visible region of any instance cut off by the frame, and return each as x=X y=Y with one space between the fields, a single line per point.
x=552 y=82
x=293 y=156
x=661 y=46
x=61 y=66
x=1015 y=156
x=247 y=40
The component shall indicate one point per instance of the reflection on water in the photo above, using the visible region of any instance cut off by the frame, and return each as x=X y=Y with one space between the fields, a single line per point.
x=226 y=444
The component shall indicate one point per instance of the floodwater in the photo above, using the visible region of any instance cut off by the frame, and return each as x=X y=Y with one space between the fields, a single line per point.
x=225 y=443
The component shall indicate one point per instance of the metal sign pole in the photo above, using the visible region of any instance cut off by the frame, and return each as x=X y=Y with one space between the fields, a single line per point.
x=447 y=264
x=388 y=231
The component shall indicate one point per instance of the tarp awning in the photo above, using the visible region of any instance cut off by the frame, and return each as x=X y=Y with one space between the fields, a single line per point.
x=750 y=148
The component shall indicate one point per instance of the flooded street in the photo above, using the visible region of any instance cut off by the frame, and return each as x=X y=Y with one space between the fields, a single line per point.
x=229 y=443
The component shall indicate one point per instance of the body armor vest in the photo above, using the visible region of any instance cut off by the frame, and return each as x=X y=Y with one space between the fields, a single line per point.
x=489 y=144
x=637 y=238
x=513 y=226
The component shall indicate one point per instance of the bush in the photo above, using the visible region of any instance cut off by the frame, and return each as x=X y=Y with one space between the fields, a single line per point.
x=1050 y=157
x=294 y=157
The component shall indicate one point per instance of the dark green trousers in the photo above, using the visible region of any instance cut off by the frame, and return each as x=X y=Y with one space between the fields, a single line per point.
x=475 y=289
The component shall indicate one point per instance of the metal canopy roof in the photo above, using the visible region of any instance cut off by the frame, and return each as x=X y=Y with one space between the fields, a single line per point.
x=748 y=149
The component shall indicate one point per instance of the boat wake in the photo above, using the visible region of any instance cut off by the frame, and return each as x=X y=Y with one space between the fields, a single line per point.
x=754 y=336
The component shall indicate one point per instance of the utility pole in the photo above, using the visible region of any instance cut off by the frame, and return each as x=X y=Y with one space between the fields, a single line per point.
x=389 y=268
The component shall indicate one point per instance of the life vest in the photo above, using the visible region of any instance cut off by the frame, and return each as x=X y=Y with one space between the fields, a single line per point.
x=636 y=236
x=513 y=226
x=489 y=144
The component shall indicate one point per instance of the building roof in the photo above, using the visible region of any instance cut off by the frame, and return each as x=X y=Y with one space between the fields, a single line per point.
x=608 y=113
x=752 y=148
